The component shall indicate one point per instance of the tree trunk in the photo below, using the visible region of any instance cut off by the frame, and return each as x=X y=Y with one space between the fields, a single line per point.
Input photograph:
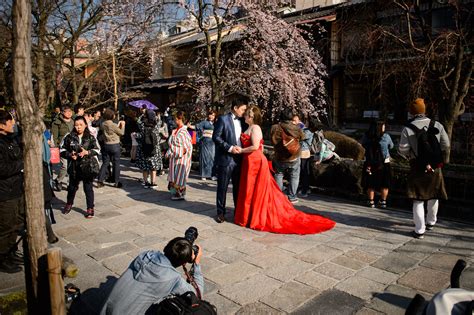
x=72 y=58
x=32 y=126
x=40 y=58
x=114 y=75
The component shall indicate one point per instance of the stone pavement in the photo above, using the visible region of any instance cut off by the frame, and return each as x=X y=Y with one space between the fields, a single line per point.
x=368 y=264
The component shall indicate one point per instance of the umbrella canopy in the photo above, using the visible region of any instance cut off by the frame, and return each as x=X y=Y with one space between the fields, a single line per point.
x=140 y=103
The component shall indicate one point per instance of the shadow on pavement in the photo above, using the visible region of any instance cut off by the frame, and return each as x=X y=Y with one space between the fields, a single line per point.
x=92 y=300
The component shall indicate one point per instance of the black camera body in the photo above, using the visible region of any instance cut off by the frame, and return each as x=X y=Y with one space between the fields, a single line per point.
x=191 y=235
x=76 y=147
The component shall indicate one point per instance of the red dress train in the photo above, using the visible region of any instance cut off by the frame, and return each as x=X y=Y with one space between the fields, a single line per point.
x=262 y=206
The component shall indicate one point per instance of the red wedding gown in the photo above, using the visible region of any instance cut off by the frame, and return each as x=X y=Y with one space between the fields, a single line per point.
x=262 y=206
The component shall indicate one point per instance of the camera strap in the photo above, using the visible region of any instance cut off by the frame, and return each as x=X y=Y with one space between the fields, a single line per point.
x=192 y=282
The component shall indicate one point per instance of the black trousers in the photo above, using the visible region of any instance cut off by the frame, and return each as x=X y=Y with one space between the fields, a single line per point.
x=110 y=153
x=12 y=218
x=88 y=190
x=305 y=174
x=224 y=175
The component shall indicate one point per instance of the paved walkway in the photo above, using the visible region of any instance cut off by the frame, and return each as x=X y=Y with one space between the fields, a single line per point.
x=368 y=264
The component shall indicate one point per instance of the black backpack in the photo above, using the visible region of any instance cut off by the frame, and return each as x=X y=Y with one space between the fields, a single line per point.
x=373 y=154
x=428 y=147
x=186 y=303
x=148 y=143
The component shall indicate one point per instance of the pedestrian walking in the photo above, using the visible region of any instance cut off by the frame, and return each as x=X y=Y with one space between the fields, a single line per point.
x=424 y=142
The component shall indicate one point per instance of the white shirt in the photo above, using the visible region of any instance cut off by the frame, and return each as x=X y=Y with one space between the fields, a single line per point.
x=237 y=129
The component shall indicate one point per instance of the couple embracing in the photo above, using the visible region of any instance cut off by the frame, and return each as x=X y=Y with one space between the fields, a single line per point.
x=259 y=202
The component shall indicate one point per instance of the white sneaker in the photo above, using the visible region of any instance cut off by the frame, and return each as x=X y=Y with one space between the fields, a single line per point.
x=203 y=178
x=214 y=178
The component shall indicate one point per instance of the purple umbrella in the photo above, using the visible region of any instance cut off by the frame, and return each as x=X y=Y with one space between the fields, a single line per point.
x=140 y=103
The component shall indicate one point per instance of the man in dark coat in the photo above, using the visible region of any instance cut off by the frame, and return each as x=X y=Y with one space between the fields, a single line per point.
x=226 y=136
x=12 y=203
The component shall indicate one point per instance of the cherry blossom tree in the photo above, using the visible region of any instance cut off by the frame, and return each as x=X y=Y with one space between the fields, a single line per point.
x=273 y=63
x=277 y=66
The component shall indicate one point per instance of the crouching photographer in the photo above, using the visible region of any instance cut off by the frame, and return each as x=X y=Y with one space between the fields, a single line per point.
x=153 y=276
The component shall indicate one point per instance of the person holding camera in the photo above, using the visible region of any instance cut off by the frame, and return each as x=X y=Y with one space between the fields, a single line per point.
x=153 y=276
x=76 y=147
x=111 y=150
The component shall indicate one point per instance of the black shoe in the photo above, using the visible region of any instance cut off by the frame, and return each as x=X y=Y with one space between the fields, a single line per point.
x=110 y=180
x=7 y=266
x=16 y=257
x=52 y=239
x=429 y=227
x=382 y=204
x=417 y=236
x=118 y=185
x=100 y=184
x=220 y=218
x=57 y=185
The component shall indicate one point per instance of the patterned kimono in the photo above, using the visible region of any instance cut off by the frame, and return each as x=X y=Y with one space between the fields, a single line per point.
x=179 y=154
x=206 y=148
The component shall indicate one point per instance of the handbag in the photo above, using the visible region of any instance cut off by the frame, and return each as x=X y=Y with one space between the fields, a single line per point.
x=55 y=157
x=89 y=166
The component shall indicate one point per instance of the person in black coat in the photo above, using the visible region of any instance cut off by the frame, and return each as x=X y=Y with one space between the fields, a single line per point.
x=75 y=147
x=226 y=136
x=12 y=201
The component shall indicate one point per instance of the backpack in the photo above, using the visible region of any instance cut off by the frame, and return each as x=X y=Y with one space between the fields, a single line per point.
x=373 y=154
x=290 y=144
x=186 y=303
x=428 y=147
x=148 y=142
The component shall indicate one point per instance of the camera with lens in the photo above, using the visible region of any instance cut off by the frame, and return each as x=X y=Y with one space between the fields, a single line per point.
x=191 y=235
x=76 y=147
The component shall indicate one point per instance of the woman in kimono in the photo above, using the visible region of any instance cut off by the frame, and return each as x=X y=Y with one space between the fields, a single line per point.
x=206 y=146
x=179 y=154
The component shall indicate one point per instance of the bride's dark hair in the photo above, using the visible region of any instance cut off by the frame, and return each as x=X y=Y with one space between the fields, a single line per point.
x=256 y=114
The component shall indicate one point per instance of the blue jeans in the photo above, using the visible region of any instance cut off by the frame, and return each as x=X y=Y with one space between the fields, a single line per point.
x=293 y=170
x=110 y=152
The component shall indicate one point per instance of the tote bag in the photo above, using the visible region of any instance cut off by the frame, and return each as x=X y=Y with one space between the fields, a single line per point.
x=55 y=158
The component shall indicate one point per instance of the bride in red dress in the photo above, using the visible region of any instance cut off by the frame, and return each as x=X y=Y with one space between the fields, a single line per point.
x=261 y=205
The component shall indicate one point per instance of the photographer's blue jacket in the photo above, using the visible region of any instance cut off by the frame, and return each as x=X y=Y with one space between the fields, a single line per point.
x=148 y=280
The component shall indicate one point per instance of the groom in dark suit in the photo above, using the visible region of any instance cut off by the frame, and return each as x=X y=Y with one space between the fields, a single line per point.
x=226 y=136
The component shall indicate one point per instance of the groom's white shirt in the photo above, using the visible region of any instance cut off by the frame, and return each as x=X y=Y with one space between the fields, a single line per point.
x=237 y=130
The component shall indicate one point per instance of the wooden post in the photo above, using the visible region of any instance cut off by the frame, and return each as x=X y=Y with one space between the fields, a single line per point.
x=56 y=284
